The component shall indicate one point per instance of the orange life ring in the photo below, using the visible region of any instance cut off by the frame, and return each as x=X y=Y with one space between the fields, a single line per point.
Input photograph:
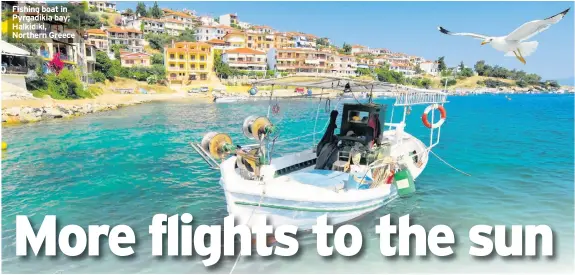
x=442 y=113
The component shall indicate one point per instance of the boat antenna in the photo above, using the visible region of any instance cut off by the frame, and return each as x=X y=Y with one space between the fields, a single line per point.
x=371 y=94
x=270 y=102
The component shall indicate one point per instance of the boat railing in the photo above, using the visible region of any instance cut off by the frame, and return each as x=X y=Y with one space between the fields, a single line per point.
x=419 y=97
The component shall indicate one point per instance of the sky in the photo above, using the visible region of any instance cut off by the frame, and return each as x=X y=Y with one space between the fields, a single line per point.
x=411 y=27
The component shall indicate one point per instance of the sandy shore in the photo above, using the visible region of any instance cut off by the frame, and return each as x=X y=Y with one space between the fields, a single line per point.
x=15 y=111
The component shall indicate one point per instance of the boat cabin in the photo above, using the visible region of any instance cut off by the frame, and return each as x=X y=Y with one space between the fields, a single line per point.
x=362 y=123
x=360 y=135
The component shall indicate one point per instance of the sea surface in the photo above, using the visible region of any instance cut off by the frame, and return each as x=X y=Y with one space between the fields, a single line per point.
x=124 y=166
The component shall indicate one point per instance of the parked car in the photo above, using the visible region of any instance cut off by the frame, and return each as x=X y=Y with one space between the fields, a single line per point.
x=299 y=90
x=204 y=89
x=194 y=90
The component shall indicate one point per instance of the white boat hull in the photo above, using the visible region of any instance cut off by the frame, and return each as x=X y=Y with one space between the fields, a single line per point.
x=286 y=199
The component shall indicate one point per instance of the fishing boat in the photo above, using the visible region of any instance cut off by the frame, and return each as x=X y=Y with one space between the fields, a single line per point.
x=347 y=174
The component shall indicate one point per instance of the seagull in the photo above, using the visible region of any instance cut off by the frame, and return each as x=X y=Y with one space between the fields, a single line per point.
x=513 y=43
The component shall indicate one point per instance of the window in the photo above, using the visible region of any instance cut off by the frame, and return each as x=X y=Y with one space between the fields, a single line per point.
x=193 y=66
x=181 y=66
x=172 y=56
x=181 y=56
x=201 y=67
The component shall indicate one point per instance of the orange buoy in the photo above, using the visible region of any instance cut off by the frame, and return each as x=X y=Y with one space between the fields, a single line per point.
x=442 y=113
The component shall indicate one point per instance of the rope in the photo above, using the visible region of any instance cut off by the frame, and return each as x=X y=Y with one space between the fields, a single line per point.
x=327 y=105
x=253 y=211
x=449 y=164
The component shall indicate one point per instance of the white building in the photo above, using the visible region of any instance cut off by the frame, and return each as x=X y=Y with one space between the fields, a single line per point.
x=403 y=68
x=379 y=51
x=429 y=67
x=245 y=59
x=244 y=25
x=229 y=19
x=344 y=65
x=206 y=33
x=207 y=20
x=103 y=6
x=358 y=49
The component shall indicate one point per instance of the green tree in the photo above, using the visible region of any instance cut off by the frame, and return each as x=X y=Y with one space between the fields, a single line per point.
x=116 y=48
x=130 y=11
x=188 y=35
x=141 y=9
x=155 y=11
x=461 y=66
x=158 y=58
x=465 y=72
x=323 y=41
x=426 y=83
x=363 y=71
x=441 y=64
x=223 y=70
x=79 y=18
x=480 y=67
x=104 y=65
x=346 y=48
x=386 y=75
x=418 y=69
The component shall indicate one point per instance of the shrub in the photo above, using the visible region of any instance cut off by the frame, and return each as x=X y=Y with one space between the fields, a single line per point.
x=64 y=86
x=491 y=83
x=94 y=90
x=98 y=76
x=521 y=83
x=152 y=79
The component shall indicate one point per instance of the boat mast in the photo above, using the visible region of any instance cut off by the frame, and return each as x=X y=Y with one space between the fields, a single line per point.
x=270 y=103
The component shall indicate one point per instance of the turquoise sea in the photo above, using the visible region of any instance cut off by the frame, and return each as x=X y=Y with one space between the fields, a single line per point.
x=122 y=167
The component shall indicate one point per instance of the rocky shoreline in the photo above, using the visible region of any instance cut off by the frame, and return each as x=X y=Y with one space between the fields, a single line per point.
x=23 y=114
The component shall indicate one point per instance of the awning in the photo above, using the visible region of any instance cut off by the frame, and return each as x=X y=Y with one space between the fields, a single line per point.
x=9 y=49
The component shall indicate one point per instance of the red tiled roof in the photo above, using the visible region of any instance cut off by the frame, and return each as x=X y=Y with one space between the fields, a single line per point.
x=181 y=14
x=115 y=29
x=216 y=41
x=96 y=31
x=131 y=55
x=245 y=51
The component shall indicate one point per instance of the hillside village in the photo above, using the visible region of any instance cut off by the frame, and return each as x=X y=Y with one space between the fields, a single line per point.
x=150 y=49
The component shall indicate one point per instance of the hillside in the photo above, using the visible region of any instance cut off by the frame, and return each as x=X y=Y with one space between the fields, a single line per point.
x=467 y=83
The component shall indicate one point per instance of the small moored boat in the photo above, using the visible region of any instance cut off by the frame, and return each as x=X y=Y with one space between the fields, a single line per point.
x=345 y=175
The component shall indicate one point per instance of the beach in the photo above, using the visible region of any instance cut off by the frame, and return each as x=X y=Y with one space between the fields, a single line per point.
x=30 y=109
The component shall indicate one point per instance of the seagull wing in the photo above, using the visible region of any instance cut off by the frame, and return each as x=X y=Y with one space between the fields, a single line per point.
x=474 y=35
x=535 y=27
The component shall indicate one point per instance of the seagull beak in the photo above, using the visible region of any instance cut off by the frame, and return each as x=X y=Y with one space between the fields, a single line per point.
x=484 y=42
